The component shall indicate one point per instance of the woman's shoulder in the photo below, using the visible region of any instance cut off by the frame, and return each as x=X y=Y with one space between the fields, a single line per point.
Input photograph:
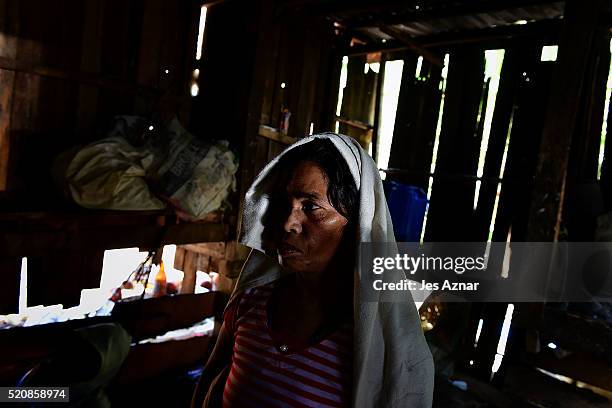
x=253 y=296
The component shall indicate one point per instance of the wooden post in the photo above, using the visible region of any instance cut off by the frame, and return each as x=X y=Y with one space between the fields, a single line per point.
x=189 y=268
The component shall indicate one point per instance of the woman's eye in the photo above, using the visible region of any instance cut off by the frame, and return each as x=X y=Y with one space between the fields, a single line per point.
x=310 y=206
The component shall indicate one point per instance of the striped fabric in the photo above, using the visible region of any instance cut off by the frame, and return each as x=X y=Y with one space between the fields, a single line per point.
x=268 y=371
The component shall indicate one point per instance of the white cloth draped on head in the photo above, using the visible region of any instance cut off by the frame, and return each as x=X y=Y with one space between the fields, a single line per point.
x=393 y=366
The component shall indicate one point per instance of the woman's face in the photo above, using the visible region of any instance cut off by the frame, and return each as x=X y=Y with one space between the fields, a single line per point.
x=311 y=228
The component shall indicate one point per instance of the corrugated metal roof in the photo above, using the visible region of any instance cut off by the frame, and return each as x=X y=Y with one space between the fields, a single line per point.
x=443 y=16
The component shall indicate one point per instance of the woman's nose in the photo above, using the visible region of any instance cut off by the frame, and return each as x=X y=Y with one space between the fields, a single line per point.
x=293 y=223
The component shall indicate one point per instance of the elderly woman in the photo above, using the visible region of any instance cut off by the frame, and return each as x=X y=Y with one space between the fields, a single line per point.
x=295 y=332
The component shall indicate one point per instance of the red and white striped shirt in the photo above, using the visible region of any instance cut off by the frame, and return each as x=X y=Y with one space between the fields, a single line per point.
x=268 y=371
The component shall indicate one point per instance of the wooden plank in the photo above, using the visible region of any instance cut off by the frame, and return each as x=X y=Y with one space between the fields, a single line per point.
x=354 y=123
x=115 y=62
x=359 y=100
x=25 y=109
x=8 y=48
x=59 y=277
x=191 y=20
x=490 y=38
x=42 y=242
x=451 y=208
x=259 y=105
x=10 y=268
x=606 y=167
x=90 y=62
x=268 y=55
x=82 y=77
x=378 y=106
x=139 y=367
x=329 y=82
x=413 y=45
x=403 y=15
x=310 y=69
x=146 y=318
x=415 y=123
x=583 y=201
x=189 y=268
x=510 y=77
x=275 y=135
x=568 y=83
x=527 y=124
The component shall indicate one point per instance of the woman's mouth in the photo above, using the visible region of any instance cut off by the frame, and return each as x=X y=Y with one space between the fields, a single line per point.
x=287 y=250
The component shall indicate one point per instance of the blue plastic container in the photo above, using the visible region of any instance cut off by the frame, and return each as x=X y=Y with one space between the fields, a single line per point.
x=407 y=205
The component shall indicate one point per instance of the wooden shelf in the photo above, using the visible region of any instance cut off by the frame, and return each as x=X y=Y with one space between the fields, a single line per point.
x=274 y=134
x=29 y=234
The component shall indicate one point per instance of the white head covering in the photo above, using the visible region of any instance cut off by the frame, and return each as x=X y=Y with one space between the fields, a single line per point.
x=392 y=363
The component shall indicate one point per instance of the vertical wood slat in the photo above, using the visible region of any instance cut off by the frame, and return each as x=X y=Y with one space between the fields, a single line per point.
x=583 y=159
x=90 y=62
x=8 y=48
x=606 y=167
x=258 y=109
x=527 y=124
x=415 y=123
x=24 y=105
x=10 y=268
x=451 y=208
x=151 y=37
x=281 y=96
x=359 y=98
x=584 y=198
x=326 y=99
x=189 y=268
x=568 y=82
x=380 y=79
x=500 y=123
x=311 y=60
x=114 y=60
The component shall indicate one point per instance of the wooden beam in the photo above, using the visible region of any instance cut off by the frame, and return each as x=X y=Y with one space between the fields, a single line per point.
x=27 y=237
x=459 y=9
x=274 y=134
x=546 y=30
x=412 y=44
x=82 y=77
x=354 y=123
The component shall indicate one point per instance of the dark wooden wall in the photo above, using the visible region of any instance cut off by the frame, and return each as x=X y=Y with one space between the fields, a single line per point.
x=302 y=54
x=68 y=66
